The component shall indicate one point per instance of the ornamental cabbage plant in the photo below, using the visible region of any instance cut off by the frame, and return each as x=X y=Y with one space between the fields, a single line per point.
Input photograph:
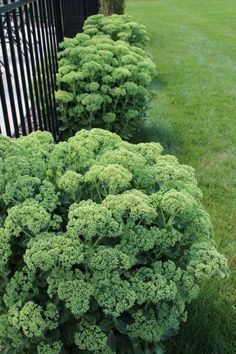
x=118 y=27
x=104 y=84
x=102 y=245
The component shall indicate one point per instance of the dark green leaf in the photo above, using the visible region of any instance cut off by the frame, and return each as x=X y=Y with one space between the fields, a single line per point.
x=90 y=319
x=147 y=349
x=121 y=326
x=112 y=341
x=159 y=349
x=106 y=325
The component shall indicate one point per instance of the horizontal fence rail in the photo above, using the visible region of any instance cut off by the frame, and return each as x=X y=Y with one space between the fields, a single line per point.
x=29 y=39
x=30 y=33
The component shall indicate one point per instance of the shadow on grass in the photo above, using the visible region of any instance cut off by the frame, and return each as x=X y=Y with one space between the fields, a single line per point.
x=211 y=324
x=157 y=128
x=158 y=84
x=161 y=132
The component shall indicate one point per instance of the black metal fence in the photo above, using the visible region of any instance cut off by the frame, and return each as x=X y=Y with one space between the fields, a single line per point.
x=74 y=13
x=30 y=32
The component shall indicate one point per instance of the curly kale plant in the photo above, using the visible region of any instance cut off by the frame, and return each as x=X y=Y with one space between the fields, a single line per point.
x=103 y=84
x=102 y=245
x=118 y=28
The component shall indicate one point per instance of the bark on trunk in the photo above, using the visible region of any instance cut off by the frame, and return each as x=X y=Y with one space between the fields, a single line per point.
x=110 y=7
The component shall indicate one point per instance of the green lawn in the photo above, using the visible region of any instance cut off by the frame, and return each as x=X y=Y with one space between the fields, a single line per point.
x=193 y=114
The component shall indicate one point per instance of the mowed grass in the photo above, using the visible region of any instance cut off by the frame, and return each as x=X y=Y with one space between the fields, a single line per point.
x=193 y=114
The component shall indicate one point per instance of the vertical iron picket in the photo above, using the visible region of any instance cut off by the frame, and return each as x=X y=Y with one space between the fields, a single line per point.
x=42 y=115
x=15 y=76
x=29 y=75
x=46 y=50
x=42 y=60
x=52 y=35
x=53 y=59
x=52 y=66
x=33 y=66
x=58 y=21
x=4 y=106
x=22 y=71
x=8 y=78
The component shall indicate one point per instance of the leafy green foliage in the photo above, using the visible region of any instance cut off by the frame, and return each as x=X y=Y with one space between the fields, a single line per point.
x=117 y=28
x=103 y=83
x=104 y=250
x=177 y=120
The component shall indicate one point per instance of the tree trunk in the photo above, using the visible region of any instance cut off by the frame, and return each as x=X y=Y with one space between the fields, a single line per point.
x=110 y=7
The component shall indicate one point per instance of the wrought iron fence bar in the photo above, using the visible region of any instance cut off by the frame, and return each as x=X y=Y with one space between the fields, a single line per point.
x=42 y=60
x=4 y=106
x=58 y=21
x=50 y=42
x=48 y=80
x=14 y=5
x=29 y=74
x=32 y=65
x=42 y=114
x=50 y=26
x=30 y=33
x=22 y=72
x=8 y=78
x=48 y=50
x=29 y=44
x=53 y=54
x=54 y=34
x=15 y=76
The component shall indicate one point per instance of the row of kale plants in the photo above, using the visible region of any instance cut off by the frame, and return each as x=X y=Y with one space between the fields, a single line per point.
x=103 y=243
